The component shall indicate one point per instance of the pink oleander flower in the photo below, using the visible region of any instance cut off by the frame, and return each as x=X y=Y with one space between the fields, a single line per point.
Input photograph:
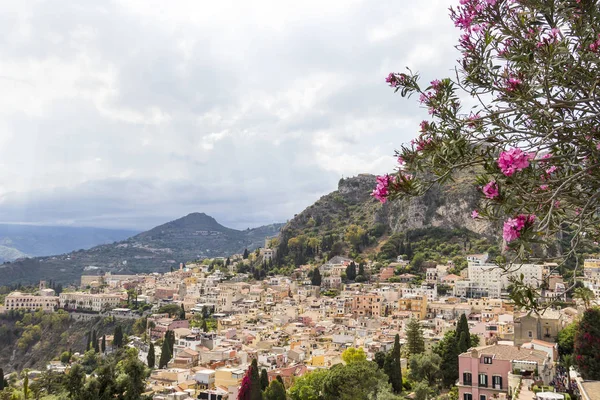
x=513 y=83
x=381 y=191
x=598 y=146
x=577 y=211
x=551 y=169
x=490 y=190
x=401 y=160
x=513 y=160
x=543 y=187
x=474 y=214
x=436 y=84
x=424 y=125
x=391 y=79
x=513 y=227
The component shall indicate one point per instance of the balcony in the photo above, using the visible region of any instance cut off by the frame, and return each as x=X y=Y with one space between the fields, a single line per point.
x=468 y=383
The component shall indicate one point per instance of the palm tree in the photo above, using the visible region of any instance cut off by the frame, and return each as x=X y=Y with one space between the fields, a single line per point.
x=586 y=295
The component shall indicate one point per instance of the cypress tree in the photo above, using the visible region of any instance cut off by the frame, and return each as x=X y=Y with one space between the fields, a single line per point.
x=264 y=379
x=316 y=277
x=463 y=327
x=1 y=379
x=275 y=391
x=118 y=337
x=95 y=341
x=351 y=271
x=182 y=312
x=26 y=385
x=103 y=344
x=393 y=367
x=280 y=379
x=414 y=337
x=361 y=269
x=245 y=256
x=151 y=356
x=165 y=357
x=255 y=392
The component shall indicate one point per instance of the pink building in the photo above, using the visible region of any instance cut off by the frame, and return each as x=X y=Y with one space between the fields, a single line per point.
x=484 y=371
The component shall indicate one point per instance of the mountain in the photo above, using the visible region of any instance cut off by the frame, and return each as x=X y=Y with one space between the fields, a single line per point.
x=19 y=241
x=441 y=216
x=191 y=237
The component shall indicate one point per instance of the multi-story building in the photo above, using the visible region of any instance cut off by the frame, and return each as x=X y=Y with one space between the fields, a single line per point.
x=471 y=289
x=367 y=304
x=416 y=305
x=30 y=302
x=486 y=372
x=88 y=301
x=544 y=326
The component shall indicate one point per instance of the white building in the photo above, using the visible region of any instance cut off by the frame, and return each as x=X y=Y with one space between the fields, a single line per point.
x=88 y=301
x=29 y=302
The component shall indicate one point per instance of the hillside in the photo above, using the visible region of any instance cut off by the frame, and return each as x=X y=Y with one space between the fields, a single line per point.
x=30 y=341
x=350 y=221
x=193 y=236
x=18 y=241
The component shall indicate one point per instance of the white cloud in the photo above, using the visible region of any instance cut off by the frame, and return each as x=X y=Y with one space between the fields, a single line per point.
x=132 y=112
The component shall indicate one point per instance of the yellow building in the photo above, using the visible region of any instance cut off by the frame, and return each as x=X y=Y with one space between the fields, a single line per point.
x=591 y=269
x=317 y=361
x=416 y=305
x=229 y=376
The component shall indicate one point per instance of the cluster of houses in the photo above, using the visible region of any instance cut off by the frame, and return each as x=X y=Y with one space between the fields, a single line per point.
x=290 y=327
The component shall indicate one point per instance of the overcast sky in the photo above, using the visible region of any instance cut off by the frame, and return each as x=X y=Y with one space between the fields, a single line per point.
x=132 y=113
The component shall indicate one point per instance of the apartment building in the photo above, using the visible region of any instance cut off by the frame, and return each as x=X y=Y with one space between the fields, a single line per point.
x=415 y=306
x=368 y=304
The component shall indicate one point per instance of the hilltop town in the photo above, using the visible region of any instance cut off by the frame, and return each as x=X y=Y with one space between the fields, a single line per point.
x=220 y=320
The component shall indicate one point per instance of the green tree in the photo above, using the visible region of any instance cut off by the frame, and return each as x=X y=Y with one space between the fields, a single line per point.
x=447 y=349
x=352 y=355
x=95 y=342
x=309 y=386
x=1 y=379
x=136 y=375
x=26 y=384
x=355 y=381
x=586 y=295
x=361 y=269
x=275 y=391
x=351 y=271
x=425 y=367
x=118 y=337
x=65 y=357
x=264 y=379
x=165 y=353
x=423 y=391
x=255 y=387
x=379 y=359
x=182 y=312
x=151 y=356
x=354 y=235
x=462 y=334
x=566 y=339
x=393 y=367
x=316 y=277
x=75 y=381
x=103 y=344
x=587 y=346
x=415 y=343
x=280 y=379
x=246 y=254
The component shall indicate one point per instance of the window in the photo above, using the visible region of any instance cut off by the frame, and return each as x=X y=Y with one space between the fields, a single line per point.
x=482 y=397
x=497 y=382
x=467 y=396
x=487 y=360
x=529 y=334
x=467 y=379
x=483 y=380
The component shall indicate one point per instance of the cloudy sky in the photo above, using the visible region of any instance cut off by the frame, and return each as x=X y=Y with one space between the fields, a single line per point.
x=131 y=113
